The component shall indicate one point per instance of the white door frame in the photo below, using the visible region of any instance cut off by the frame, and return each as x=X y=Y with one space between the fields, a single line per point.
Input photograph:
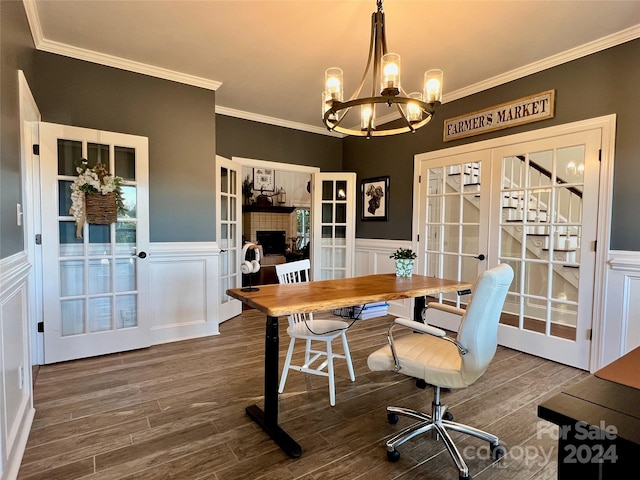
x=289 y=167
x=29 y=118
x=607 y=124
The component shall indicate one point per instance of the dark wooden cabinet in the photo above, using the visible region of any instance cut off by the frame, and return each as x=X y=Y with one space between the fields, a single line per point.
x=599 y=428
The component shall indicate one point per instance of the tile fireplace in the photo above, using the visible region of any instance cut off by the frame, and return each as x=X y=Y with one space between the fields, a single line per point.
x=274 y=242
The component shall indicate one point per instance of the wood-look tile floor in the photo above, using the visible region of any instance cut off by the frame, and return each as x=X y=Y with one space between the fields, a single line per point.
x=177 y=411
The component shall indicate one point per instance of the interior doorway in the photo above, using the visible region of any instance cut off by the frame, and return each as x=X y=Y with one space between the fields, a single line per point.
x=276 y=211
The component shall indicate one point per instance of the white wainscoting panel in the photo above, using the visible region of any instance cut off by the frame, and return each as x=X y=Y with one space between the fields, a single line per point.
x=372 y=256
x=621 y=322
x=16 y=399
x=183 y=290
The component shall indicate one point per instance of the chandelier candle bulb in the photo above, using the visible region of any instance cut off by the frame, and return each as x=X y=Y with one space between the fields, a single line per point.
x=391 y=72
x=414 y=113
x=333 y=82
x=433 y=86
x=367 y=117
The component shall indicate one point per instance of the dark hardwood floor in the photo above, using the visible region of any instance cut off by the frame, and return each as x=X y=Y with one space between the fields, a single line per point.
x=176 y=411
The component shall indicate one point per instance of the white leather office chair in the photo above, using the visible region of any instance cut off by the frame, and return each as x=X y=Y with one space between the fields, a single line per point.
x=447 y=363
x=303 y=326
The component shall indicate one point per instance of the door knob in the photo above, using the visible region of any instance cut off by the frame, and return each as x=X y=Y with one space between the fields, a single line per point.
x=142 y=255
x=480 y=257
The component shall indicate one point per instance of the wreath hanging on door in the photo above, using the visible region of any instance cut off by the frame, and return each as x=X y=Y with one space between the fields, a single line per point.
x=96 y=196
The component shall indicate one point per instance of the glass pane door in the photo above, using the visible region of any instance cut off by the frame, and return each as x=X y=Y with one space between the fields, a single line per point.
x=95 y=301
x=541 y=237
x=228 y=229
x=544 y=232
x=333 y=225
x=455 y=202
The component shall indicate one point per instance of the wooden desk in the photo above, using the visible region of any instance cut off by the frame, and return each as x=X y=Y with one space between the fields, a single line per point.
x=278 y=300
x=599 y=420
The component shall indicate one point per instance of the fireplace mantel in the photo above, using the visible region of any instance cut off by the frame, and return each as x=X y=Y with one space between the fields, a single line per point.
x=267 y=209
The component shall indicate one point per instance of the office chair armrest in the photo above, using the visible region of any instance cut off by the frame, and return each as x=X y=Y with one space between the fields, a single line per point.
x=422 y=328
x=446 y=308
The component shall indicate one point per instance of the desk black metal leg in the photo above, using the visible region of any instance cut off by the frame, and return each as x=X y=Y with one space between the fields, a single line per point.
x=268 y=419
x=418 y=306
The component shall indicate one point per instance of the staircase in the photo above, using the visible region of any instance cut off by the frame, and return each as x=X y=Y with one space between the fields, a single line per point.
x=561 y=240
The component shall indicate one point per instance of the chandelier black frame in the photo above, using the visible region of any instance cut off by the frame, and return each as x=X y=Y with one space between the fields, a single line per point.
x=335 y=110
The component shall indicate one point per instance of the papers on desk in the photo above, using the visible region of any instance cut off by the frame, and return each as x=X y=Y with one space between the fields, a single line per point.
x=363 y=312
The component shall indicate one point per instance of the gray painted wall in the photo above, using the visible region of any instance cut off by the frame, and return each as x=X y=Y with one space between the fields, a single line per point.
x=179 y=121
x=16 y=53
x=600 y=84
x=236 y=137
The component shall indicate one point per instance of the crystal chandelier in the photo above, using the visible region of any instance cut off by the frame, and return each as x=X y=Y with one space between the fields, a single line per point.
x=415 y=108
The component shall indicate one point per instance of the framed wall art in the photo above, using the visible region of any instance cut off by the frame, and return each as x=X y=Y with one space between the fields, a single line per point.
x=375 y=198
x=264 y=179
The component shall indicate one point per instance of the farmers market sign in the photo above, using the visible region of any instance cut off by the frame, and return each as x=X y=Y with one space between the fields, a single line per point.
x=517 y=112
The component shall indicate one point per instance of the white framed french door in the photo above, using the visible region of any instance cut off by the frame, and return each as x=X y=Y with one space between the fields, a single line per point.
x=547 y=195
x=95 y=281
x=455 y=200
x=229 y=234
x=333 y=225
x=532 y=201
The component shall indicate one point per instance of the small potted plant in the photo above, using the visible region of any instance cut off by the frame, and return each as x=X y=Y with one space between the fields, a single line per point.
x=405 y=258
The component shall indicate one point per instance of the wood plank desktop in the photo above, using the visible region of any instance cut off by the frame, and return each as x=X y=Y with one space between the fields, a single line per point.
x=625 y=370
x=285 y=299
x=599 y=420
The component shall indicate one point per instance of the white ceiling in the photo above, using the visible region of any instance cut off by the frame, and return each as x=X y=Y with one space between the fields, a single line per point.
x=266 y=59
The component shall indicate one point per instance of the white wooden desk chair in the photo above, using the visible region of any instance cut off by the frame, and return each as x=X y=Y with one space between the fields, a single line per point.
x=303 y=326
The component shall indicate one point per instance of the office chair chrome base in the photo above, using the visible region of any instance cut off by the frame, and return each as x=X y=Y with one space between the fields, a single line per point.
x=439 y=421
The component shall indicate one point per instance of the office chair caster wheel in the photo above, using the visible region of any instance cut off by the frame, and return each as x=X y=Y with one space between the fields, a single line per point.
x=392 y=418
x=447 y=416
x=468 y=477
x=497 y=451
x=393 y=456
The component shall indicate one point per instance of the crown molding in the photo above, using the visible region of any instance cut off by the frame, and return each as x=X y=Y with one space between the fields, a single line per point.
x=66 y=50
x=595 y=46
x=34 y=21
x=128 y=65
x=231 y=112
